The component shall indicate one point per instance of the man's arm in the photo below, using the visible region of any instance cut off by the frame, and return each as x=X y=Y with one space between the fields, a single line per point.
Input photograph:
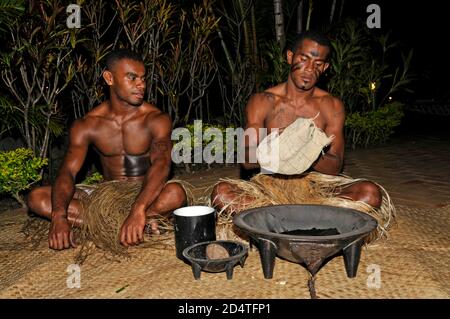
x=64 y=186
x=160 y=158
x=256 y=112
x=132 y=231
x=331 y=162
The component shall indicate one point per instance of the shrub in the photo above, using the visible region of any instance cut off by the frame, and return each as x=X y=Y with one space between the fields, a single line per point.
x=373 y=127
x=366 y=70
x=93 y=178
x=19 y=169
x=195 y=146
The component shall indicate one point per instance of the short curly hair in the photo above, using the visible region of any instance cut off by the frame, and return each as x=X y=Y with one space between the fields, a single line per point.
x=316 y=36
x=120 y=54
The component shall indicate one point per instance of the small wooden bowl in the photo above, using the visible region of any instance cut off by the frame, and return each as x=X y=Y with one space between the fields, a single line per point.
x=196 y=255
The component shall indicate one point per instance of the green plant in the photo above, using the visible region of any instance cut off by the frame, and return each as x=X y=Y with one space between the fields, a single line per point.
x=36 y=68
x=19 y=169
x=174 y=41
x=10 y=118
x=277 y=66
x=93 y=178
x=9 y=10
x=373 y=127
x=237 y=33
x=206 y=143
x=365 y=69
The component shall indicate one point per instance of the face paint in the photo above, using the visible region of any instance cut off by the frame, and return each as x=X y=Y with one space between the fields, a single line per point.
x=315 y=54
x=297 y=66
x=307 y=64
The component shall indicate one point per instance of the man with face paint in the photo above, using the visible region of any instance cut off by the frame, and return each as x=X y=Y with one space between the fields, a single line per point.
x=281 y=105
x=132 y=138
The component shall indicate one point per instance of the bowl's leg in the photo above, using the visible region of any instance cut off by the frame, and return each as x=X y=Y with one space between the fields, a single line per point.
x=267 y=252
x=229 y=271
x=242 y=260
x=352 y=254
x=252 y=244
x=196 y=270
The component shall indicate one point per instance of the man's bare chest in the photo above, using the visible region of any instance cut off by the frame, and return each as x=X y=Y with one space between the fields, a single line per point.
x=111 y=138
x=283 y=114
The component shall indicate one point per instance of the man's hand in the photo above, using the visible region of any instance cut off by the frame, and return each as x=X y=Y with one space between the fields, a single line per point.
x=132 y=230
x=60 y=235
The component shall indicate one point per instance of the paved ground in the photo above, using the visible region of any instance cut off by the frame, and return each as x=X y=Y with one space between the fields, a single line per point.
x=414 y=170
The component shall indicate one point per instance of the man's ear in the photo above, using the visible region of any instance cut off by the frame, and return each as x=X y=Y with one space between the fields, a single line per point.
x=325 y=67
x=108 y=77
x=289 y=56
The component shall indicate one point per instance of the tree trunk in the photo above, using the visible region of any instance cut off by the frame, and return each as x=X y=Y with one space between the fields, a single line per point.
x=279 y=22
x=19 y=199
x=310 y=9
x=342 y=9
x=333 y=7
x=224 y=47
x=300 y=17
x=254 y=37
x=247 y=34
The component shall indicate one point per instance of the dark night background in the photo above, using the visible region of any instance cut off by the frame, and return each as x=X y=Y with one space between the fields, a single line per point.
x=422 y=26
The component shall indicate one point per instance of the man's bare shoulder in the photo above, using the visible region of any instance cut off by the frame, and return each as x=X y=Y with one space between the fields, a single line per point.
x=277 y=90
x=258 y=106
x=327 y=99
x=150 y=108
x=160 y=118
x=82 y=129
x=90 y=122
x=157 y=119
x=262 y=98
x=98 y=112
x=152 y=113
x=267 y=98
x=328 y=103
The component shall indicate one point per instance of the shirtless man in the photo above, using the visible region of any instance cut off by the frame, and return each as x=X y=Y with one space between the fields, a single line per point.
x=132 y=138
x=281 y=105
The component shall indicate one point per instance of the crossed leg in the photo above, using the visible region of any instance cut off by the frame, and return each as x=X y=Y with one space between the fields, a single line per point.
x=39 y=202
x=225 y=193
x=171 y=197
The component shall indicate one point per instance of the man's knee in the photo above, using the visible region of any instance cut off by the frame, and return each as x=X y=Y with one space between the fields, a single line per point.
x=371 y=194
x=220 y=190
x=38 y=200
x=176 y=191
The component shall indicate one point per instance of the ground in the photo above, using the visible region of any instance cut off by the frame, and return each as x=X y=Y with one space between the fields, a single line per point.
x=413 y=263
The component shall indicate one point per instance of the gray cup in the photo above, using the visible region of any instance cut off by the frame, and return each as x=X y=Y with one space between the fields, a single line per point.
x=193 y=224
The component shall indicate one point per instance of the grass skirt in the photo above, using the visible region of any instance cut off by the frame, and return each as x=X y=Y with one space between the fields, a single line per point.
x=310 y=188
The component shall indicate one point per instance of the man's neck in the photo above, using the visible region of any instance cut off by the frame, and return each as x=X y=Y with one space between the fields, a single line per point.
x=297 y=94
x=121 y=108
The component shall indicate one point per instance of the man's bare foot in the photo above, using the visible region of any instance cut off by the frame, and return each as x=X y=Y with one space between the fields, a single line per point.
x=151 y=228
x=74 y=238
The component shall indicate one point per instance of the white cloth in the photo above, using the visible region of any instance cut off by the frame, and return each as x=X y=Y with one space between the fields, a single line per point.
x=294 y=150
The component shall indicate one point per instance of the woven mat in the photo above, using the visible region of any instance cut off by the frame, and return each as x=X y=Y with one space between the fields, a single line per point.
x=413 y=263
